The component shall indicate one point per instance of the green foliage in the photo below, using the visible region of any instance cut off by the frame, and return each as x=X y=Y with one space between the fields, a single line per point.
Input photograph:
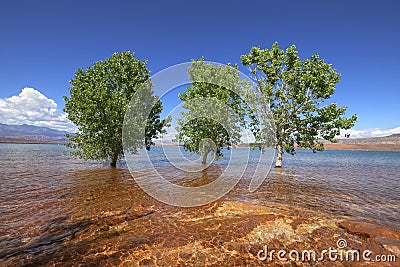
x=293 y=92
x=215 y=110
x=99 y=98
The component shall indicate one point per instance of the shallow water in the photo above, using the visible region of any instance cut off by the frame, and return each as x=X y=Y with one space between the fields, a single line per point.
x=53 y=206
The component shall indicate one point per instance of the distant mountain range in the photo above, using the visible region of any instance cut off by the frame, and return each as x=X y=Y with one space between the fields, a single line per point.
x=386 y=143
x=391 y=139
x=30 y=134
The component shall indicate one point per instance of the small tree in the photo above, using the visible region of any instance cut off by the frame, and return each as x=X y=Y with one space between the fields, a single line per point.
x=292 y=92
x=214 y=109
x=99 y=98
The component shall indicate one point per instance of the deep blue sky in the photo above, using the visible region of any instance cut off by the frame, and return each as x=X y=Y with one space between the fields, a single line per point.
x=44 y=42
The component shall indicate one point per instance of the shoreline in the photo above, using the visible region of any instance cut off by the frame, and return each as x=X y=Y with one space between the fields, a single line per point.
x=332 y=146
x=33 y=143
x=364 y=147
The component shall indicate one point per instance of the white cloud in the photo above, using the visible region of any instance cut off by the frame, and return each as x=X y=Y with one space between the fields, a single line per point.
x=33 y=108
x=376 y=132
x=168 y=137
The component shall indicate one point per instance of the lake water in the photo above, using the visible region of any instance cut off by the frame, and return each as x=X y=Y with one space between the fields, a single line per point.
x=49 y=200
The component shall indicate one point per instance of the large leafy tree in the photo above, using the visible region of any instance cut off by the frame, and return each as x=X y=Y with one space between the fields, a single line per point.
x=214 y=110
x=292 y=93
x=99 y=98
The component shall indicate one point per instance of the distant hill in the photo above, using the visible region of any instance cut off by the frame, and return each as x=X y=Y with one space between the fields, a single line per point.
x=30 y=134
x=391 y=139
x=386 y=143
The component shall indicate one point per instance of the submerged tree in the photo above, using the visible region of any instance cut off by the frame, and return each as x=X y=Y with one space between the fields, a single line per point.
x=215 y=110
x=99 y=98
x=294 y=92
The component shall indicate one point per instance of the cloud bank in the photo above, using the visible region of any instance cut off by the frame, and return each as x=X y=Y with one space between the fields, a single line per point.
x=33 y=108
x=376 y=132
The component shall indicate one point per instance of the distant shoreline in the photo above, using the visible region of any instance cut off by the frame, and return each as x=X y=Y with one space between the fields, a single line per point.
x=364 y=147
x=331 y=146
x=31 y=142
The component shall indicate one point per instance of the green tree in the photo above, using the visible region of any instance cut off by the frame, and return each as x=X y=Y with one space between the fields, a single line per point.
x=293 y=93
x=99 y=98
x=215 y=110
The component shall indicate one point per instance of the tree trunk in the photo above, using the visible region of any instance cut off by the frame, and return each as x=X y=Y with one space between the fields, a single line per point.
x=278 y=163
x=114 y=161
x=204 y=155
x=206 y=151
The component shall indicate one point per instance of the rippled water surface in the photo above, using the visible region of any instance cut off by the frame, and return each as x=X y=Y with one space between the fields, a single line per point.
x=54 y=206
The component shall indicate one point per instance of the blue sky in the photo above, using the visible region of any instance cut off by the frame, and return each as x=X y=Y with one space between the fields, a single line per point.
x=44 y=42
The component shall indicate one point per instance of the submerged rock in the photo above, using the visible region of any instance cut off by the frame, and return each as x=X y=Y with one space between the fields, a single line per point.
x=223 y=233
x=390 y=244
x=368 y=230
